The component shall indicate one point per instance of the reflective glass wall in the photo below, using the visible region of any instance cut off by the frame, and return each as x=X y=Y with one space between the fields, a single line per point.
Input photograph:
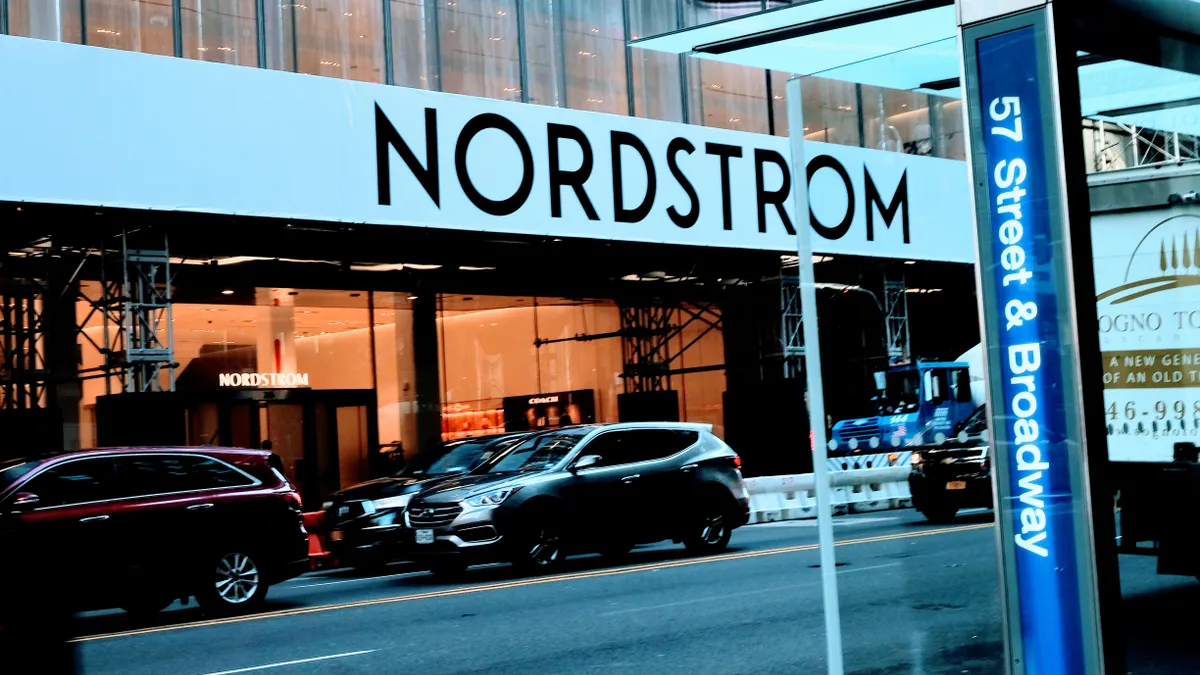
x=564 y=53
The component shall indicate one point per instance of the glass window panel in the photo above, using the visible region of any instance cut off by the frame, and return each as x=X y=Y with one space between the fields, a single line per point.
x=702 y=12
x=544 y=51
x=411 y=22
x=133 y=25
x=951 y=141
x=657 y=85
x=594 y=46
x=897 y=121
x=479 y=50
x=335 y=38
x=45 y=19
x=224 y=31
x=728 y=96
x=830 y=111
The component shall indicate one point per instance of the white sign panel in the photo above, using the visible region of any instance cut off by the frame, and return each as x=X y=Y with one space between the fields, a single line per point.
x=109 y=128
x=1148 y=304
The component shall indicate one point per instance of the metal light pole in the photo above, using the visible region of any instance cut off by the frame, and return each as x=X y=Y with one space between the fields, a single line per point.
x=812 y=370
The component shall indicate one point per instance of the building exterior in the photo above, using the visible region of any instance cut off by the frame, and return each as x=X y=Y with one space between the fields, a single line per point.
x=355 y=228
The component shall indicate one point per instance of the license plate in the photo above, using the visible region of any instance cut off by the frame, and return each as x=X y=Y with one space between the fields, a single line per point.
x=336 y=535
x=424 y=536
x=956 y=485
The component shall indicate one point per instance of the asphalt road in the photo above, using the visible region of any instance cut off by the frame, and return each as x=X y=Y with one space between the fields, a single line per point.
x=915 y=599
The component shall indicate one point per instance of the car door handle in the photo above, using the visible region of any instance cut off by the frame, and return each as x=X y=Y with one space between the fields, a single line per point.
x=197 y=507
x=93 y=519
x=630 y=479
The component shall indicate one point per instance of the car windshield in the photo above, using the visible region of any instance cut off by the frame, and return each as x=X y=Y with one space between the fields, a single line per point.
x=12 y=470
x=540 y=452
x=456 y=457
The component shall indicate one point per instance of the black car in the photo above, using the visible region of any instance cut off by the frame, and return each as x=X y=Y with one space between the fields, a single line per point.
x=954 y=474
x=363 y=522
x=599 y=489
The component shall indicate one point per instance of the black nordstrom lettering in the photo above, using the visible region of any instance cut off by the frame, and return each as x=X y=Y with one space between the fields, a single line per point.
x=503 y=207
x=776 y=197
x=574 y=178
x=385 y=136
x=621 y=214
x=874 y=201
x=837 y=232
x=693 y=214
x=725 y=152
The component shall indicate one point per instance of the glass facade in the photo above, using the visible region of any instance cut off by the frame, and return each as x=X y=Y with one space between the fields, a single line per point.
x=564 y=53
x=225 y=31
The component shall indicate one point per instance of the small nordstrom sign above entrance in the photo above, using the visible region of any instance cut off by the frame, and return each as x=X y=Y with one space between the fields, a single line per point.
x=262 y=380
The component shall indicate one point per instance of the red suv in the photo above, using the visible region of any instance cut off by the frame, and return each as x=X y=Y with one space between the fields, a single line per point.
x=138 y=528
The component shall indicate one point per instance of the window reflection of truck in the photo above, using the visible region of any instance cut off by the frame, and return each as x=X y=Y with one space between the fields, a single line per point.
x=1146 y=254
x=932 y=398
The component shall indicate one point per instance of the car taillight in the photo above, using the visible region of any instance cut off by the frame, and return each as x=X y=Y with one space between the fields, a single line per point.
x=737 y=461
x=292 y=499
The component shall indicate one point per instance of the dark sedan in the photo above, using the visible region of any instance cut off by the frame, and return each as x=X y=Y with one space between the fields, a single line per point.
x=587 y=489
x=364 y=522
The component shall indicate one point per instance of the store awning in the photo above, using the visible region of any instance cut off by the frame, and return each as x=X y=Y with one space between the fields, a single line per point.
x=906 y=44
x=913 y=45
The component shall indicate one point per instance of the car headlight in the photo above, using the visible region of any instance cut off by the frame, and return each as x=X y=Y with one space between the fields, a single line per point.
x=916 y=458
x=325 y=505
x=397 y=502
x=493 y=498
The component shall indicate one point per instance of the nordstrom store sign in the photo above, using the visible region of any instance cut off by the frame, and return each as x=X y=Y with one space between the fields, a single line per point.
x=103 y=127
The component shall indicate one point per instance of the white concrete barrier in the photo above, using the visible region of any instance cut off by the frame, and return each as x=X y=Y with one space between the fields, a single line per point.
x=775 y=498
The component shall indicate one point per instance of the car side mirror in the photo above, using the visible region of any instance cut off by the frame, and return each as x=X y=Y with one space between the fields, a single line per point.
x=24 y=501
x=585 y=461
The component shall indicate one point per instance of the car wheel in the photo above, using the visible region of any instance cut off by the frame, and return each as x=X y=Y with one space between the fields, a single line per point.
x=234 y=583
x=939 y=512
x=710 y=532
x=540 y=549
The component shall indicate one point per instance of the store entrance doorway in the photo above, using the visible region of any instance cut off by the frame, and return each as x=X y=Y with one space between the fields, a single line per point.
x=327 y=439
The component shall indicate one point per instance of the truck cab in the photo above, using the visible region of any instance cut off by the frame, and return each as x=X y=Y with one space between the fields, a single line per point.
x=925 y=397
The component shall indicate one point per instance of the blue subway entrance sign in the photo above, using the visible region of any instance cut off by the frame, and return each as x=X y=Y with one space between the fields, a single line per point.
x=1022 y=280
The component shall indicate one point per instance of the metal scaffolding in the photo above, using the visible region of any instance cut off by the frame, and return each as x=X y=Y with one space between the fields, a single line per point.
x=131 y=305
x=23 y=372
x=792 y=326
x=649 y=338
x=1114 y=145
x=652 y=342
x=895 y=306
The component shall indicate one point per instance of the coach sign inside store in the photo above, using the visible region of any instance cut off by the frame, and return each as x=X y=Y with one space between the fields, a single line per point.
x=138 y=131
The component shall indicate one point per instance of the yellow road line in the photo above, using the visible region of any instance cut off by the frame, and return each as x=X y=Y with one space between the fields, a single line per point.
x=647 y=567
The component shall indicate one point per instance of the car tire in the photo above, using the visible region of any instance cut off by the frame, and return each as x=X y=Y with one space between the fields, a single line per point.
x=233 y=583
x=710 y=530
x=539 y=547
x=939 y=512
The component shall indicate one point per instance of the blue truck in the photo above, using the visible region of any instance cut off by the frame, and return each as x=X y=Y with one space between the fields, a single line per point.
x=925 y=399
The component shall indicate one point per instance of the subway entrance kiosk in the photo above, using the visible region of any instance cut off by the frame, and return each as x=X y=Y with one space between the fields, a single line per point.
x=1095 y=467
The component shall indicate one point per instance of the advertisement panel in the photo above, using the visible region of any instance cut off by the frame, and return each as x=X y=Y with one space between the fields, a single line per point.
x=1147 y=267
x=121 y=129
